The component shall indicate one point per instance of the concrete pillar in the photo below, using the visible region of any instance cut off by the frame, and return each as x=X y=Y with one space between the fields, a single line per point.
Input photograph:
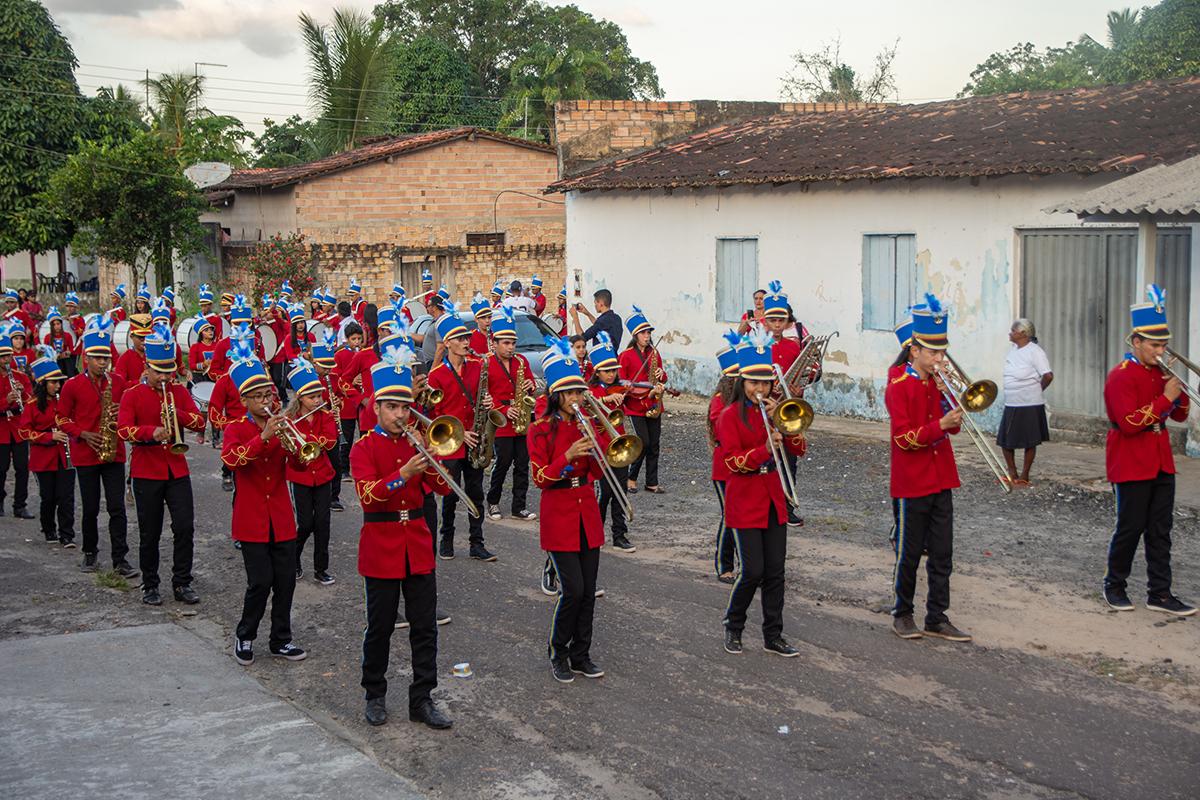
x=1147 y=251
x=1191 y=338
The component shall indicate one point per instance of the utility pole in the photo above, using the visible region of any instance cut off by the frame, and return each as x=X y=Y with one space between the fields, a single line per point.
x=526 y=135
x=196 y=75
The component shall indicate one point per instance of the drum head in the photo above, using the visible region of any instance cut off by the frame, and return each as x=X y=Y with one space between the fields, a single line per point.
x=44 y=331
x=317 y=329
x=555 y=323
x=270 y=344
x=183 y=334
x=202 y=394
x=121 y=336
x=87 y=318
x=416 y=308
x=225 y=329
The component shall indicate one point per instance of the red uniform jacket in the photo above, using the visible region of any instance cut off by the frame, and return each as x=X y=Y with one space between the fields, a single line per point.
x=77 y=325
x=261 y=503
x=303 y=347
x=140 y=413
x=784 y=352
x=565 y=508
x=635 y=368
x=79 y=404
x=343 y=383
x=1136 y=405
x=360 y=368
x=749 y=492
x=118 y=314
x=922 y=457
x=9 y=414
x=716 y=405
x=454 y=401
x=24 y=318
x=319 y=428
x=200 y=353
x=539 y=303
x=220 y=360
x=63 y=343
x=282 y=328
x=21 y=359
x=479 y=343
x=36 y=426
x=225 y=406
x=130 y=366
x=392 y=549
x=358 y=310
x=502 y=386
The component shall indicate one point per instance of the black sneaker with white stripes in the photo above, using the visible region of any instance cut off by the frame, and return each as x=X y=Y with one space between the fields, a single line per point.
x=780 y=647
x=243 y=652
x=561 y=672
x=587 y=668
x=289 y=651
x=1170 y=604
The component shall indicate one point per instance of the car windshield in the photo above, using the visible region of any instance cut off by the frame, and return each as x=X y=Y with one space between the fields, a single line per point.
x=531 y=331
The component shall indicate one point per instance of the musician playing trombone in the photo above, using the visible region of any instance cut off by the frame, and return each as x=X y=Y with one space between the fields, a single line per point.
x=777 y=314
x=312 y=481
x=923 y=474
x=757 y=493
x=1140 y=394
x=604 y=385
x=152 y=417
x=566 y=460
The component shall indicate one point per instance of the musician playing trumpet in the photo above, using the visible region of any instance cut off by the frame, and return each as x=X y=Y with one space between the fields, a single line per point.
x=510 y=385
x=755 y=500
x=312 y=481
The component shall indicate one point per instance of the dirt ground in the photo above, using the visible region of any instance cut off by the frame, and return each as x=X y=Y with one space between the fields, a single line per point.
x=1030 y=709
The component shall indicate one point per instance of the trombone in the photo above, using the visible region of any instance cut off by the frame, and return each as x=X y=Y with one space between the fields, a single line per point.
x=622 y=451
x=615 y=417
x=175 y=444
x=972 y=396
x=795 y=414
x=294 y=440
x=443 y=436
x=1192 y=392
x=788 y=418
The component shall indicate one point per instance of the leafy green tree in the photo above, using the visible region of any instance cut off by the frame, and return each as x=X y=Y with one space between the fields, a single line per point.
x=1025 y=68
x=112 y=116
x=176 y=98
x=568 y=29
x=543 y=77
x=823 y=77
x=214 y=138
x=282 y=144
x=433 y=87
x=130 y=203
x=40 y=113
x=1164 y=43
x=350 y=66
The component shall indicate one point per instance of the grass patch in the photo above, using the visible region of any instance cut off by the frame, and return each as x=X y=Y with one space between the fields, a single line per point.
x=109 y=579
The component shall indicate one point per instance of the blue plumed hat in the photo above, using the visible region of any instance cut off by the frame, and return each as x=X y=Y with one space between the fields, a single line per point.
x=168 y=294
x=559 y=367
x=727 y=356
x=206 y=295
x=536 y=282
x=97 y=336
x=449 y=326
x=504 y=324
x=296 y=313
x=119 y=292
x=143 y=292
x=497 y=290
x=46 y=367
x=443 y=293
x=480 y=307
x=160 y=348
x=775 y=304
x=930 y=323
x=12 y=294
x=247 y=372
x=392 y=376
x=397 y=290
x=324 y=351
x=562 y=293
x=5 y=341
x=160 y=312
x=71 y=299
x=397 y=335
x=239 y=312
x=637 y=322
x=1149 y=320
x=200 y=324
x=328 y=297
x=285 y=291
x=303 y=377
x=355 y=287
x=53 y=314
x=904 y=329
x=754 y=356
x=602 y=354
x=426 y=278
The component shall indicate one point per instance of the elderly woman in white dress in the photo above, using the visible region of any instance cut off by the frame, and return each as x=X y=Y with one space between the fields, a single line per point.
x=1026 y=376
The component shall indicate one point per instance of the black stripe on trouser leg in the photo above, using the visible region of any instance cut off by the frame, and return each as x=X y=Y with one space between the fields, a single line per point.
x=1144 y=510
x=723 y=557
x=926 y=525
x=763 y=554
x=571 y=627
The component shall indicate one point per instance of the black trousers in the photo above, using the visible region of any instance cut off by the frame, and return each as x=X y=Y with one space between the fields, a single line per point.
x=926 y=525
x=270 y=572
x=762 y=553
x=16 y=453
x=1144 y=508
x=279 y=378
x=723 y=558
x=471 y=480
x=608 y=500
x=571 y=630
x=57 y=492
x=111 y=476
x=792 y=461
x=420 y=608
x=429 y=510
x=649 y=430
x=342 y=456
x=152 y=497
x=312 y=520
x=511 y=451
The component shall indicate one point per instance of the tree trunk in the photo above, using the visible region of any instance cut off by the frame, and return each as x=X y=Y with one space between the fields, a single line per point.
x=62 y=267
x=33 y=270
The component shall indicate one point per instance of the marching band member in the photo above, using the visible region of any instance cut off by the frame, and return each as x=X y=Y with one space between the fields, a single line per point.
x=116 y=309
x=48 y=457
x=1140 y=397
x=923 y=475
x=87 y=411
x=168 y=297
x=312 y=481
x=257 y=449
x=298 y=342
x=160 y=476
x=281 y=321
x=13 y=311
x=579 y=348
x=227 y=302
x=727 y=361
x=395 y=550
x=483 y=319
x=15 y=393
x=61 y=341
x=162 y=315
x=562 y=307
x=641 y=362
x=904 y=336
x=608 y=390
x=239 y=314
x=457 y=377
x=324 y=363
x=74 y=319
x=349 y=395
x=358 y=305
x=565 y=465
x=755 y=507
x=508 y=370
x=329 y=307
x=786 y=350
x=538 y=296
x=225 y=407
x=132 y=362
x=389 y=324
x=22 y=354
x=200 y=354
x=206 y=308
x=141 y=302
x=496 y=296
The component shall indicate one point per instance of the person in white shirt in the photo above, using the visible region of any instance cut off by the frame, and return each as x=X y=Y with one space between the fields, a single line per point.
x=518 y=301
x=1026 y=376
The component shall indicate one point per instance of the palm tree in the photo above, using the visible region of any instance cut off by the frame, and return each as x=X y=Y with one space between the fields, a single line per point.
x=542 y=78
x=350 y=66
x=1121 y=27
x=174 y=103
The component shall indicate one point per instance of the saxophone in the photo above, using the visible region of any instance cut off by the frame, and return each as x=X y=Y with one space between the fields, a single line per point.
x=486 y=422
x=655 y=371
x=522 y=401
x=108 y=425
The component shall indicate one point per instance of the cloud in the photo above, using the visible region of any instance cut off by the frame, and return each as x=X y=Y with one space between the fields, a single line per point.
x=629 y=17
x=117 y=8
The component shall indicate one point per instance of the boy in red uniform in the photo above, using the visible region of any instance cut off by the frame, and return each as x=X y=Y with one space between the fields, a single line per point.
x=508 y=369
x=923 y=475
x=14 y=313
x=312 y=482
x=15 y=392
x=480 y=345
x=727 y=361
x=74 y=319
x=22 y=354
x=784 y=353
x=160 y=476
x=48 y=456
x=603 y=384
x=132 y=362
x=642 y=363
x=539 y=297
x=395 y=547
x=116 y=309
x=1139 y=398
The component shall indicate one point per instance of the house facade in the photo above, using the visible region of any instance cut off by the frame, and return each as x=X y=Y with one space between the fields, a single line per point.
x=860 y=212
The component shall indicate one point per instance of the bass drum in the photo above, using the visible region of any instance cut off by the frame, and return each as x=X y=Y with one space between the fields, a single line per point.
x=202 y=394
x=43 y=331
x=555 y=323
x=316 y=328
x=226 y=329
x=270 y=345
x=416 y=308
x=184 y=336
x=120 y=337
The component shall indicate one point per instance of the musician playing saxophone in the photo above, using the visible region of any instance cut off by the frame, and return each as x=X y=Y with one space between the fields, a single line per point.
x=87 y=412
x=457 y=377
x=510 y=385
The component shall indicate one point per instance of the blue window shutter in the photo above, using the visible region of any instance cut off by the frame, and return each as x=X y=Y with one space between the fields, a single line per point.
x=906 y=276
x=889 y=279
x=737 y=277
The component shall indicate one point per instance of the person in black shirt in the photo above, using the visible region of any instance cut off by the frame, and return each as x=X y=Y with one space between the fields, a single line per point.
x=607 y=321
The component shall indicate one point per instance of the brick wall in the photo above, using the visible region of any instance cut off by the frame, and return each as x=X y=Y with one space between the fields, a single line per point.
x=592 y=130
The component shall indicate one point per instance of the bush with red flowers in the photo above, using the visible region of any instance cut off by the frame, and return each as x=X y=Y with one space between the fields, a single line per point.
x=276 y=260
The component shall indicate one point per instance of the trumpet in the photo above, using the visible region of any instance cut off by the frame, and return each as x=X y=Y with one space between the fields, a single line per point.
x=788 y=420
x=444 y=435
x=175 y=443
x=972 y=396
x=293 y=440
x=622 y=451
x=429 y=396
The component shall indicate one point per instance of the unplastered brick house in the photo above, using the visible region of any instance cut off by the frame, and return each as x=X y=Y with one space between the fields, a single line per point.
x=465 y=203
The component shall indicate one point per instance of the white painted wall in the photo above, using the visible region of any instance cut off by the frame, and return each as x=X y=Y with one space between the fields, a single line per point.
x=658 y=250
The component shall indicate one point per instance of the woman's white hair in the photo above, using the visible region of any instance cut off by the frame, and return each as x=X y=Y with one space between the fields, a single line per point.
x=1025 y=326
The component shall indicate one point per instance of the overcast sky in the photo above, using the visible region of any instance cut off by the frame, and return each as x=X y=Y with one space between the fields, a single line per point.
x=702 y=50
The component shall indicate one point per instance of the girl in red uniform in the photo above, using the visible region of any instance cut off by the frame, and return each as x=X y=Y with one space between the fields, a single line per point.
x=47 y=453
x=312 y=484
x=754 y=501
x=608 y=390
x=298 y=343
x=61 y=341
x=642 y=363
x=564 y=466
x=727 y=360
x=200 y=354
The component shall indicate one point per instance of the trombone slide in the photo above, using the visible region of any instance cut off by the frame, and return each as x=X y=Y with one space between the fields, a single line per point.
x=623 y=449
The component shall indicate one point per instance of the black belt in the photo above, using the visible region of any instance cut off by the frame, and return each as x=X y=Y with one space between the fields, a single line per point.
x=765 y=468
x=569 y=483
x=1156 y=427
x=388 y=516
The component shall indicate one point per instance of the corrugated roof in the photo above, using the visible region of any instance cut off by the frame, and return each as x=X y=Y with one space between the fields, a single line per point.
x=1167 y=189
x=1102 y=129
x=375 y=150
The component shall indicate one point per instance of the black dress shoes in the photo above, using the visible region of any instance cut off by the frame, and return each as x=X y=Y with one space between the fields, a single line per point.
x=22 y=513
x=376 y=713
x=427 y=713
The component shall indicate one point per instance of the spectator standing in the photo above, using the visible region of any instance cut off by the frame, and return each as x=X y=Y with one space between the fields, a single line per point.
x=605 y=319
x=1026 y=376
